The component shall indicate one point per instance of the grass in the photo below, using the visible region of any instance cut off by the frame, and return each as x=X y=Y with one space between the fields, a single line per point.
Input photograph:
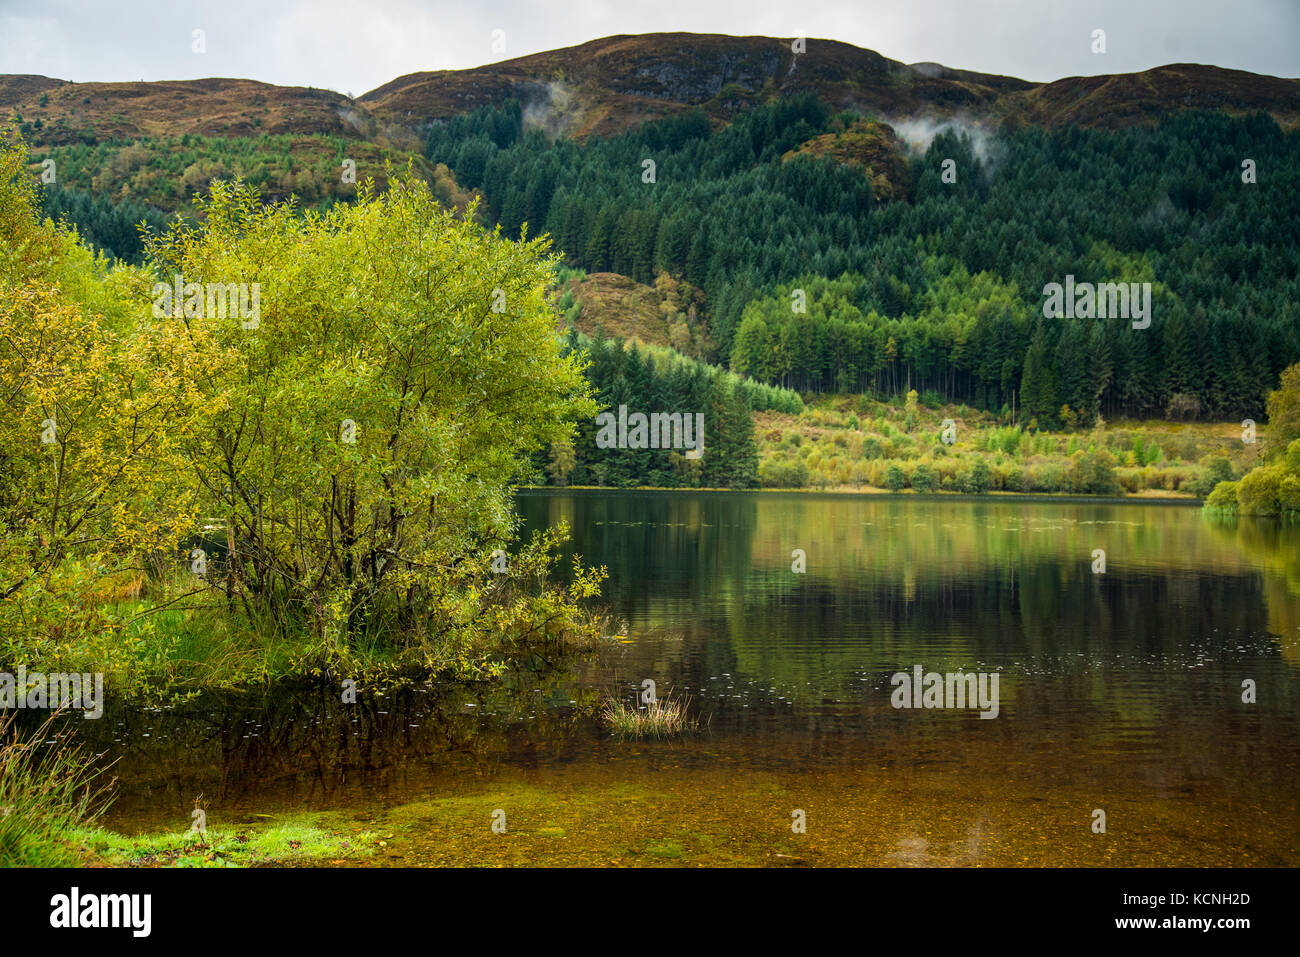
x=51 y=799
x=660 y=718
x=298 y=840
x=46 y=792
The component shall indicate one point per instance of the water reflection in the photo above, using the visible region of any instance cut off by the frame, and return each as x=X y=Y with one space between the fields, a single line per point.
x=1121 y=689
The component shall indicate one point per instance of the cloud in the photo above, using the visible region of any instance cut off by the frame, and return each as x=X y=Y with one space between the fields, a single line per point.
x=918 y=132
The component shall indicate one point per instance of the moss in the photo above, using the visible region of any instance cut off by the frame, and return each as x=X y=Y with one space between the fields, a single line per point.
x=667 y=849
x=298 y=839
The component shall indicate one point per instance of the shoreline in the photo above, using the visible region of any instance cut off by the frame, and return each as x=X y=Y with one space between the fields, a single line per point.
x=1144 y=498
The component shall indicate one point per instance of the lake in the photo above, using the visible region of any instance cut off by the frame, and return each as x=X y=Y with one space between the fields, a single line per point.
x=1120 y=691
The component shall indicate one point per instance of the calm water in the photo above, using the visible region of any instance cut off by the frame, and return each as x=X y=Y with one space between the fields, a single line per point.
x=1119 y=692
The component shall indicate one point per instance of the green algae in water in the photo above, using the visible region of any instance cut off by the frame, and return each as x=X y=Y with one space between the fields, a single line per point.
x=294 y=840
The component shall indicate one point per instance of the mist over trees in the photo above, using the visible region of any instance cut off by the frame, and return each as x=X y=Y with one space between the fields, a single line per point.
x=942 y=292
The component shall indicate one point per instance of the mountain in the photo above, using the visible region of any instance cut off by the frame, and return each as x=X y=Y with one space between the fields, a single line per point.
x=611 y=84
x=828 y=220
x=92 y=112
x=1126 y=99
x=608 y=85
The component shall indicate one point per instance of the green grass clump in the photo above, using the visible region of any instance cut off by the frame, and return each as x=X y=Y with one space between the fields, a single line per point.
x=45 y=793
x=662 y=717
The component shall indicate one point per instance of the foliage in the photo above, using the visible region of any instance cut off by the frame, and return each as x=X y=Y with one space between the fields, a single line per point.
x=127 y=429
x=940 y=291
x=1271 y=488
x=365 y=431
x=1284 y=408
x=44 y=794
x=818 y=448
x=649 y=380
x=97 y=404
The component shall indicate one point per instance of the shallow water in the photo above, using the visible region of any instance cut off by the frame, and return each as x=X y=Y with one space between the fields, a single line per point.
x=1118 y=691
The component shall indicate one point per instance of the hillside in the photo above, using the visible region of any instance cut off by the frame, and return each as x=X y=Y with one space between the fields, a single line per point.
x=616 y=83
x=831 y=221
x=611 y=84
x=871 y=147
x=58 y=113
x=669 y=313
x=1127 y=99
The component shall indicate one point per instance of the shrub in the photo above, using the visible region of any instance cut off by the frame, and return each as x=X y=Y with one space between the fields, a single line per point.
x=1217 y=469
x=1292 y=457
x=1092 y=473
x=978 y=478
x=923 y=478
x=1257 y=492
x=1284 y=408
x=1223 y=497
x=1046 y=478
x=783 y=473
x=1288 y=494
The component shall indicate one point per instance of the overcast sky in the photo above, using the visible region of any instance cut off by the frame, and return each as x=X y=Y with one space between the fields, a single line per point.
x=356 y=45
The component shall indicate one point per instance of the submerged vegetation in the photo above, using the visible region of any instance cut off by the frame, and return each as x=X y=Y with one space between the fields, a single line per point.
x=296 y=841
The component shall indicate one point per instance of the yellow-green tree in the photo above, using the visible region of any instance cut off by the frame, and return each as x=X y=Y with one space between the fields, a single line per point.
x=1272 y=488
x=368 y=420
x=96 y=407
x=1284 y=409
